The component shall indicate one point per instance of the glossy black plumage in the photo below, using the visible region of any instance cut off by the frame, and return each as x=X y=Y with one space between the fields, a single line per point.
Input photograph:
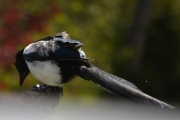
x=60 y=50
x=21 y=66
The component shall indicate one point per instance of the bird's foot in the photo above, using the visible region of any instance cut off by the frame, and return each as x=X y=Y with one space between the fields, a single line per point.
x=45 y=89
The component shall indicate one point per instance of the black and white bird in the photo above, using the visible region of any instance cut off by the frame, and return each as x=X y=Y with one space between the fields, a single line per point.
x=52 y=60
x=57 y=59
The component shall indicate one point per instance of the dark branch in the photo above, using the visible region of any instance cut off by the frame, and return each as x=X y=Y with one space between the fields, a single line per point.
x=39 y=102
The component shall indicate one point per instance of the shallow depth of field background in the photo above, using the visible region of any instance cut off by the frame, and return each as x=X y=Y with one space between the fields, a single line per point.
x=136 y=40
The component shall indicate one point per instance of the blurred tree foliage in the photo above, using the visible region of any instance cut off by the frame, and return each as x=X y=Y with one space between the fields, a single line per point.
x=104 y=27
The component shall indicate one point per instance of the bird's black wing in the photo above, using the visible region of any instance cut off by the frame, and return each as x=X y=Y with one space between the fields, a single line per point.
x=63 y=39
x=55 y=49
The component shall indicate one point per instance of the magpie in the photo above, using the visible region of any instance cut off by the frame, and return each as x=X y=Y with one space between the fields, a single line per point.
x=52 y=60
x=57 y=59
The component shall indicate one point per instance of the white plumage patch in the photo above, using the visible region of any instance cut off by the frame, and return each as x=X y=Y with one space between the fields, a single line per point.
x=41 y=47
x=46 y=72
x=29 y=49
x=82 y=54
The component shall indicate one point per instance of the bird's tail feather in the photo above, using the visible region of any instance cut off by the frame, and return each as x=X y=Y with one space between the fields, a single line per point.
x=119 y=86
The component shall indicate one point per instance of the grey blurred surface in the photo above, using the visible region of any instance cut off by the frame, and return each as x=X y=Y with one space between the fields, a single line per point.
x=105 y=109
x=74 y=109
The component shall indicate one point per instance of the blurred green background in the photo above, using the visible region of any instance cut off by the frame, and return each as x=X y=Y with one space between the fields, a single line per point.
x=137 y=40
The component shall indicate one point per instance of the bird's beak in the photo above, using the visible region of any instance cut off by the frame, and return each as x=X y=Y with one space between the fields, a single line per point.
x=22 y=76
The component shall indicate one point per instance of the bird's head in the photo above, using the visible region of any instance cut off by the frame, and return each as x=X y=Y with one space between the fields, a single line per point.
x=21 y=66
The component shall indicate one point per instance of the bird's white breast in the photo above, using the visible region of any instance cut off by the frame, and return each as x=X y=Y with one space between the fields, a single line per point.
x=46 y=72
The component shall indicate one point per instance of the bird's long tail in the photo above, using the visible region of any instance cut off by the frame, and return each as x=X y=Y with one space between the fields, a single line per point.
x=120 y=86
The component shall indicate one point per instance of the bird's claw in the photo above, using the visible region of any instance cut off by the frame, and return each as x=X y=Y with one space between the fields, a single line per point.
x=45 y=89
